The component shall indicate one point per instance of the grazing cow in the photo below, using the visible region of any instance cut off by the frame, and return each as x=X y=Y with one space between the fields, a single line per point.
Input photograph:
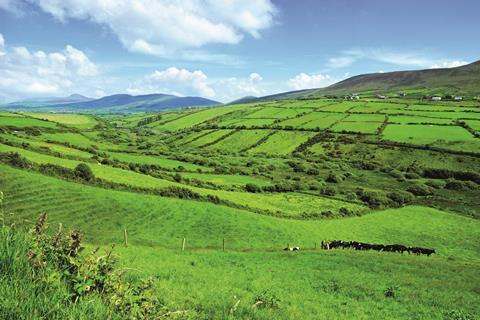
x=325 y=245
x=377 y=247
x=395 y=248
x=418 y=251
x=428 y=252
x=292 y=249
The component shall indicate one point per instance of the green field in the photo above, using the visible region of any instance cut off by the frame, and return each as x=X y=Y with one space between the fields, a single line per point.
x=23 y=122
x=360 y=127
x=241 y=140
x=282 y=142
x=419 y=134
x=236 y=184
x=73 y=120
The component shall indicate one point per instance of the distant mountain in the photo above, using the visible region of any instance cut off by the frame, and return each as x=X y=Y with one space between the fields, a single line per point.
x=116 y=103
x=246 y=99
x=38 y=102
x=464 y=80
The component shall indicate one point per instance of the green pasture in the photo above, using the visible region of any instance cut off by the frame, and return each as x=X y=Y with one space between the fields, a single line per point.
x=277 y=113
x=426 y=134
x=24 y=122
x=74 y=120
x=417 y=119
x=282 y=142
x=240 y=140
x=209 y=138
x=198 y=117
x=343 y=106
x=360 y=127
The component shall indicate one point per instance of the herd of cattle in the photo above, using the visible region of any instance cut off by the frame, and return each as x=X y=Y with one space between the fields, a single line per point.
x=339 y=244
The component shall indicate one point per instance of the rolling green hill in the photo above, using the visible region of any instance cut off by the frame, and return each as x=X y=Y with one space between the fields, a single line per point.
x=460 y=81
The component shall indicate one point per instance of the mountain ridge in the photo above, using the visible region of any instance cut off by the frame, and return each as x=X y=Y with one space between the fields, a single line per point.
x=115 y=103
x=462 y=80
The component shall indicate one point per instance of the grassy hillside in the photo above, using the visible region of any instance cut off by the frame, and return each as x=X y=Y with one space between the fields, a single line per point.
x=461 y=81
x=237 y=184
x=321 y=284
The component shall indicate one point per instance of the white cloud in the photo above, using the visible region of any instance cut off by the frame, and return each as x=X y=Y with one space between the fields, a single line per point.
x=13 y=6
x=449 y=64
x=164 y=27
x=2 y=45
x=306 y=81
x=232 y=88
x=254 y=77
x=174 y=81
x=26 y=74
x=340 y=62
x=399 y=58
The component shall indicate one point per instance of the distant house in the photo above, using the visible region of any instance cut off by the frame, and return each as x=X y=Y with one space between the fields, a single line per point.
x=379 y=96
x=352 y=97
x=458 y=99
x=402 y=94
x=436 y=98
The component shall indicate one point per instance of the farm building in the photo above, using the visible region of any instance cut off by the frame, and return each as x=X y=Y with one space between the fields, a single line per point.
x=436 y=98
x=458 y=99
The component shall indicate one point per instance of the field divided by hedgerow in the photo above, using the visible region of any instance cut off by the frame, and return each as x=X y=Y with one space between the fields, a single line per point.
x=282 y=142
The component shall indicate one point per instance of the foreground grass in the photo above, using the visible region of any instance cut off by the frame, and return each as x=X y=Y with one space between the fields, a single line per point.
x=211 y=284
x=320 y=284
x=27 y=292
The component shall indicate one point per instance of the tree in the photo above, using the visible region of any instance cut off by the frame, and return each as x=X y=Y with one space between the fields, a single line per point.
x=84 y=172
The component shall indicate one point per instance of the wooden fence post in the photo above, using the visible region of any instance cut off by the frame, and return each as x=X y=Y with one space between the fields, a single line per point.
x=183 y=244
x=125 y=237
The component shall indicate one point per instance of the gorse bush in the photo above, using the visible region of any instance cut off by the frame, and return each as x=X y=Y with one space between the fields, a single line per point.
x=84 y=172
x=48 y=277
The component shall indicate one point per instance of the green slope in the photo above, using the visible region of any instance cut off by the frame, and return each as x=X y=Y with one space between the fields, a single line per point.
x=464 y=80
x=153 y=220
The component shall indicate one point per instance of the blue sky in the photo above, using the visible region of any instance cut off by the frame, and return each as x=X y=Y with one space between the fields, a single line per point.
x=223 y=49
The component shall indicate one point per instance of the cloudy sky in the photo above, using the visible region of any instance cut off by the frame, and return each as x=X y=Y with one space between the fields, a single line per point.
x=222 y=49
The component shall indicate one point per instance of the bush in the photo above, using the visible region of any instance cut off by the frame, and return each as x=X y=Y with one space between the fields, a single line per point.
x=47 y=277
x=400 y=198
x=460 y=185
x=373 y=199
x=435 y=184
x=412 y=175
x=16 y=160
x=328 y=191
x=179 y=192
x=333 y=178
x=420 y=189
x=84 y=172
x=253 y=188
